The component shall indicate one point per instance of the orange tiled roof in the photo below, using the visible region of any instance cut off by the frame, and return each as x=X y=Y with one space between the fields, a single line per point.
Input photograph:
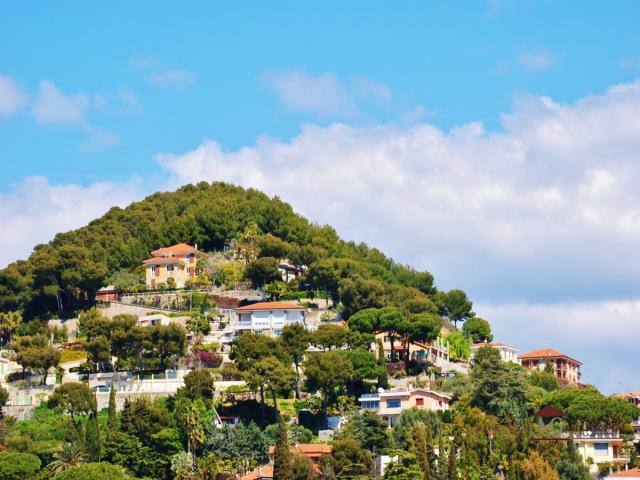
x=547 y=353
x=177 y=249
x=631 y=473
x=308 y=449
x=266 y=471
x=271 y=306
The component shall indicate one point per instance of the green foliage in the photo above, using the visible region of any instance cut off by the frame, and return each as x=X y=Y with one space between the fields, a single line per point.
x=368 y=428
x=350 y=458
x=245 y=445
x=328 y=373
x=198 y=384
x=409 y=419
x=18 y=466
x=282 y=457
x=455 y=305
x=498 y=388
x=405 y=468
x=478 y=330
x=588 y=409
x=140 y=418
x=459 y=346
x=94 y=471
x=75 y=399
x=264 y=270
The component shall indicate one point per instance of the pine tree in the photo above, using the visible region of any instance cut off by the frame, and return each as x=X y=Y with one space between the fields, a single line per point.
x=282 y=458
x=112 y=424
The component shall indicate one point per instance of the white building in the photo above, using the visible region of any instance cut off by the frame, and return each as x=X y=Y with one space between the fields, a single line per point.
x=153 y=320
x=507 y=352
x=268 y=318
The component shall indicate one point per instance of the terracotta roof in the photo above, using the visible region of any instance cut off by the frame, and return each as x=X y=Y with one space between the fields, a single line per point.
x=266 y=471
x=308 y=449
x=173 y=250
x=549 y=412
x=631 y=473
x=271 y=306
x=491 y=344
x=547 y=353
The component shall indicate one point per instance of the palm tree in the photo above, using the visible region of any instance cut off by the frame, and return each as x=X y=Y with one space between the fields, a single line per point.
x=71 y=455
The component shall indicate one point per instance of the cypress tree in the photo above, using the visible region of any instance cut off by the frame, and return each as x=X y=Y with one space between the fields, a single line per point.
x=420 y=449
x=442 y=460
x=282 y=458
x=92 y=433
x=112 y=425
x=453 y=457
x=431 y=454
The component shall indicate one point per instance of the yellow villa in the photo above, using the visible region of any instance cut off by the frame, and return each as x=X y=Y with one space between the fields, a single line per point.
x=177 y=262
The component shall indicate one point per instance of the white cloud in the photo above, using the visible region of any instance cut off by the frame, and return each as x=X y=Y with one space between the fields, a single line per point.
x=600 y=334
x=540 y=223
x=545 y=209
x=12 y=99
x=172 y=78
x=322 y=95
x=52 y=106
x=536 y=60
x=35 y=210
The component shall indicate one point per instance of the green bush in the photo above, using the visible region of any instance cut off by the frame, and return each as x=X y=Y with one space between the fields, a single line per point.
x=94 y=471
x=18 y=466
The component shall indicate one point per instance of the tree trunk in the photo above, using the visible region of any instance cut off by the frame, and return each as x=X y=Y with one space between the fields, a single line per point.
x=275 y=404
x=297 y=380
x=262 y=406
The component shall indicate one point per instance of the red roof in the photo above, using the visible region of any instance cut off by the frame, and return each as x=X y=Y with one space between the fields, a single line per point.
x=173 y=250
x=546 y=353
x=631 y=473
x=271 y=306
x=266 y=471
x=308 y=449
x=549 y=412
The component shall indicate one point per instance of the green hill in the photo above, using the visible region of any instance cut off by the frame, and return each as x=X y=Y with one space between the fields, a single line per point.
x=65 y=273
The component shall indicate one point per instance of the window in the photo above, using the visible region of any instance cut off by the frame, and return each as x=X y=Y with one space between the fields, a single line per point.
x=600 y=449
x=372 y=405
x=395 y=403
x=188 y=270
x=420 y=402
x=277 y=332
x=169 y=268
x=154 y=272
x=257 y=331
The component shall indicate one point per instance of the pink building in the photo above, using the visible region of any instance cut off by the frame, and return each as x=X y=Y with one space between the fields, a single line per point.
x=390 y=404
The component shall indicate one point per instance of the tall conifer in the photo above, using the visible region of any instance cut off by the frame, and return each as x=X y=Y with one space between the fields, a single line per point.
x=282 y=458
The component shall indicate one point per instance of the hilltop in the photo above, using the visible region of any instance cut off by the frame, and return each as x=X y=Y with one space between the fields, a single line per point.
x=64 y=274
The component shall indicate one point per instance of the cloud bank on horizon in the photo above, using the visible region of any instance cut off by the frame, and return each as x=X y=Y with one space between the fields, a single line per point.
x=539 y=221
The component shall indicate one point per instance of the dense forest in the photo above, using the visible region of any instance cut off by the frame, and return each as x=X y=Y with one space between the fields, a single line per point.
x=65 y=273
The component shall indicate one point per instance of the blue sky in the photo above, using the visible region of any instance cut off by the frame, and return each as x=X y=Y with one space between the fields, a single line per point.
x=494 y=143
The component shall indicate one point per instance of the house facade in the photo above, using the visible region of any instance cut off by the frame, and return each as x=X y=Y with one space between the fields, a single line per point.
x=268 y=318
x=177 y=262
x=601 y=447
x=565 y=368
x=507 y=352
x=389 y=404
x=419 y=351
